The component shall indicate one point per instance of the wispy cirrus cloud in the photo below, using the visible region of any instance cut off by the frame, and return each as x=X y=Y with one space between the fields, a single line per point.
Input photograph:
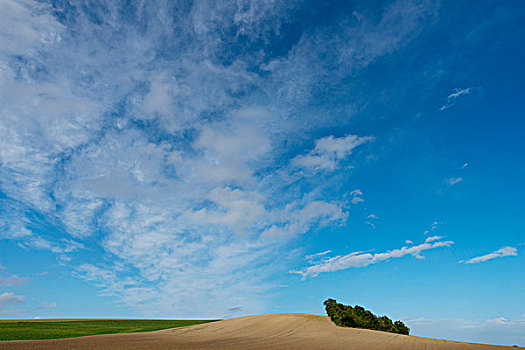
x=329 y=152
x=317 y=255
x=453 y=180
x=357 y=196
x=149 y=133
x=47 y=305
x=371 y=218
x=13 y=280
x=362 y=259
x=457 y=93
x=500 y=253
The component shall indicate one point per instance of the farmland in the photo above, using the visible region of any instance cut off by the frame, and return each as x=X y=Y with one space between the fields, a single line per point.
x=264 y=332
x=54 y=329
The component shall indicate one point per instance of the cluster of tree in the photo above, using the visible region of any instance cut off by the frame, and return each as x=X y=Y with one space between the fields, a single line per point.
x=359 y=317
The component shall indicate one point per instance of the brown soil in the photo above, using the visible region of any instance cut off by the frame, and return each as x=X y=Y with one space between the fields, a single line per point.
x=276 y=331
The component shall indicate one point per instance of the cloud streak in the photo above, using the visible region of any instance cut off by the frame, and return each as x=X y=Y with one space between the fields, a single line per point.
x=500 y=253
x=362 y=259
x=454 y=180
x=457 y=93
x=329 y=152
x=13 y=281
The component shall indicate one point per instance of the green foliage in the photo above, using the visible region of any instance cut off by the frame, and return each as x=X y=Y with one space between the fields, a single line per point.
x=359 y=317
x=36 y=329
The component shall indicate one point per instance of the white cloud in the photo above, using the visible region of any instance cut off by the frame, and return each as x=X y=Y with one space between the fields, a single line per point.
x=454 y=180
x=12 y=312
x=317 y=255
x=371 y=224
x=228 y=150
x=47 y=305
x=502 y=252
x=409 y=241
x=14 y=280
x=464 y=165
x=26 y=27
x=432 y=239
x=329 y=151
x=451 y=99
x=232 y=208
x=158 y=149
x=61 y=247
x=350 y=47
x=434 y=226
x=8 y=298
x=294 y=220
x=362 y=259
x=499 y=330
x=356 y=196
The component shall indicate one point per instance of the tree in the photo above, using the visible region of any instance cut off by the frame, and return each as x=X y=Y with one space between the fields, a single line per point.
x=358 y=317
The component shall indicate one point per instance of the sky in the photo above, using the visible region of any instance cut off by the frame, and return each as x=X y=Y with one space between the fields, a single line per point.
x=178 y=159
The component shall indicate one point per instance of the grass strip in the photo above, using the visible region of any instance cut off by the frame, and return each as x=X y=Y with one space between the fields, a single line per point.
x=55 y=329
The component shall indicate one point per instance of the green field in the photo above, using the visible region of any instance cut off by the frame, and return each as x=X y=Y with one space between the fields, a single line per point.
x=54 y=329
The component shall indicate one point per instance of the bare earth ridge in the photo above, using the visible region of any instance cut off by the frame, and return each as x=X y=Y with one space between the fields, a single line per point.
x=274 y=331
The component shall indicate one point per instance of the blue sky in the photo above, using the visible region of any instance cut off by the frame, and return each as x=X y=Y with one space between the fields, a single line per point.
x=218 y=159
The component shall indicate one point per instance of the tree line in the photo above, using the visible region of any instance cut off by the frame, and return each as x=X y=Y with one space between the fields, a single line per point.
x=358 y=317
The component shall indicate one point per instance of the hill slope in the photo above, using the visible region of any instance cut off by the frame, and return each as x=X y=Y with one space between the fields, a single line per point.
x=275 y=331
